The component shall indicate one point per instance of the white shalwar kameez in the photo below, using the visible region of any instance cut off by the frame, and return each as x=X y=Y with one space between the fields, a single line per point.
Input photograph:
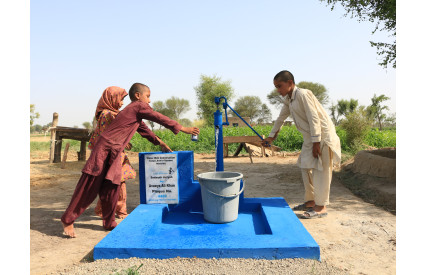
x=315 y=125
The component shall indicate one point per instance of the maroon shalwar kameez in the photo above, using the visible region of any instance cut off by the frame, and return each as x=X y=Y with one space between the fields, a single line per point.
x=102 y=172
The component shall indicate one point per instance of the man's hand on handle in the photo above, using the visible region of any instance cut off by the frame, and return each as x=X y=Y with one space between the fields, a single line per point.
x=267 y=142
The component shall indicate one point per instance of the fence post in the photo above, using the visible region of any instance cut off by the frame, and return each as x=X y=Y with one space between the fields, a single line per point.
x=53 y=136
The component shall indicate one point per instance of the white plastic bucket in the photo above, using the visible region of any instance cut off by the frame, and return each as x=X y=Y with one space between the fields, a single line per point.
x=220 y=193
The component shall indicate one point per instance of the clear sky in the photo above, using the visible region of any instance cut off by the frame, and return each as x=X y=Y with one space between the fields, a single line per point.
x=78 y=48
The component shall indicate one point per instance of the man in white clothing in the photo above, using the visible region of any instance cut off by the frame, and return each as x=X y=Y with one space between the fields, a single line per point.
x=321 y=145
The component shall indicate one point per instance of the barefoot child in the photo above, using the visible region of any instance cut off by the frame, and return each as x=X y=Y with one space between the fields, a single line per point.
x=106 y=111
x=321 y=145
x=102 y=172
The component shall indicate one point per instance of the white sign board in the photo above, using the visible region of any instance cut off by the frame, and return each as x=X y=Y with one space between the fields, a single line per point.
x=161 y=182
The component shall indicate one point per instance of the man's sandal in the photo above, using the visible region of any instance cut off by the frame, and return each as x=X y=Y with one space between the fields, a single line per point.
x=311 y=214
x=302 y=207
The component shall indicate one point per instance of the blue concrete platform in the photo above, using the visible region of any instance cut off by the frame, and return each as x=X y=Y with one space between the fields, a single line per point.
x=266 y=228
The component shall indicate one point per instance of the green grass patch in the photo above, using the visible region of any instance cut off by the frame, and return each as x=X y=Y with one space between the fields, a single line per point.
x=45 y=145
x=289 y=139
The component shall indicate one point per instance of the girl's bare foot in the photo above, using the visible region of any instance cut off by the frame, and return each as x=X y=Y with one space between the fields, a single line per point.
x=69 y=230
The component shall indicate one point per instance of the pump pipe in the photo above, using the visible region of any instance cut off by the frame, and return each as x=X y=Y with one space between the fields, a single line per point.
x=219 y=130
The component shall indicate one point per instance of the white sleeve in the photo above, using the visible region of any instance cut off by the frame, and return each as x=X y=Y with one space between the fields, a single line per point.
x=285 y=112
x=308 y=101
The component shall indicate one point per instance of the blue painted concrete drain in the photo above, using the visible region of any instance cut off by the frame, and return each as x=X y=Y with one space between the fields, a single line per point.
x=266 y=228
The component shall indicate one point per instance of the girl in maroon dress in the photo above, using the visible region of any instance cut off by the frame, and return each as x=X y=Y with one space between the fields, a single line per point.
x=106 y=111
x=102 y=172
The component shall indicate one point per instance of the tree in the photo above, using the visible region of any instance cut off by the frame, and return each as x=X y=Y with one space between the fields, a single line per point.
x=375 y=110
x=333 y=110
x=177 y=107
x=206 y=91
x=173 y=107
x=38 y=128
x=185 y=122
x=87 y=125
x=46 y=127
x=275 y=99
x=357 y=125
x=317 y=89
x=265 y=115
x=160 y=107
x=345 y=107
x=33 y=114
x=383 y=13
x=248 y=106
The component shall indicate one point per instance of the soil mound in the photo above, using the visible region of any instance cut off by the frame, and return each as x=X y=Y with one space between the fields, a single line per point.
x=371 y=175
x=379 y=163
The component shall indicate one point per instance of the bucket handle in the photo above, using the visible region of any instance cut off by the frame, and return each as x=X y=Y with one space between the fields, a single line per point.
x=223 y=196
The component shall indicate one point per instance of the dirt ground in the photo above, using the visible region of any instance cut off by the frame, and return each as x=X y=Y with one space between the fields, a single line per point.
x=357 y=237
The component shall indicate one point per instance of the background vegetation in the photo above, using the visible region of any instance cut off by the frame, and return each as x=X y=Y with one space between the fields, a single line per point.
x=289 y=139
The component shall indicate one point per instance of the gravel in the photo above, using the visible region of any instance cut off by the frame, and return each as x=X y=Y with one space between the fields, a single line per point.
x=202 y=266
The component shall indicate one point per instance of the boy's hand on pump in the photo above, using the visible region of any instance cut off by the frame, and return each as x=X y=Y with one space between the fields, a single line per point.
x=190 y=130
x=267 y=142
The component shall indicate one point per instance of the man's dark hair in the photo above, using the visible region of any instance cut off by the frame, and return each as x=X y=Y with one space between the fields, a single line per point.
x=284 y=76
x=137 y=88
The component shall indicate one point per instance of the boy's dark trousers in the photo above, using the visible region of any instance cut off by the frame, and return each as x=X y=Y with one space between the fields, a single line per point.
x=86 y=191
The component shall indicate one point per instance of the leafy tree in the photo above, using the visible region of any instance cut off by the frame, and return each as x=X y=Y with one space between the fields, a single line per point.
x=390 y=120
x=206 y=91
x=159 y=106
x=344 y=107
x=357 y=125
x=333 y=110
x=375 y=110
x=249 y=106
x=317 y=89
x=185 y=122
x=33 y=114
x=275 y=99
x=383 y=13
x=38 y=128
x=265 y=115
x=46 y=127
x=173 y=107
x=87 y=125
x=177 y=107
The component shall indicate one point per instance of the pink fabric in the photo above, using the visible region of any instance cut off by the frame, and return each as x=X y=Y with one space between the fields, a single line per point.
x=110 y=100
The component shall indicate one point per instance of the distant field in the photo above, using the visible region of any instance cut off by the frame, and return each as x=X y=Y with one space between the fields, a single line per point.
x=289 y=139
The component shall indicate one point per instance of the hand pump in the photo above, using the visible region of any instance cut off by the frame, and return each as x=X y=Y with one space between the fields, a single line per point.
x=218 y=124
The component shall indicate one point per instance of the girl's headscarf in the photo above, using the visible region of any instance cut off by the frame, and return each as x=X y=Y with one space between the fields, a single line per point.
x=110 y=100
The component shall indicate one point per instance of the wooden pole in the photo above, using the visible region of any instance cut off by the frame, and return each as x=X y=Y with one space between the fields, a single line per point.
x=248 y=151
x=263 y=148
x=64 y=159
x=82 y=153
x=53 y=136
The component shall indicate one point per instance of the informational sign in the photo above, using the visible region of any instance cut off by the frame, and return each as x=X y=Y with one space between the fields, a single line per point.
x=161 y=180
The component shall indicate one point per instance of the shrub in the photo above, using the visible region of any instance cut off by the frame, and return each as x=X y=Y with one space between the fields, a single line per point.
x=357 y=126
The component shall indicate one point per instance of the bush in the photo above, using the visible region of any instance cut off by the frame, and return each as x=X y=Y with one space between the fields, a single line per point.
x=357 y=125
x=289 y=139
x=381 y=139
